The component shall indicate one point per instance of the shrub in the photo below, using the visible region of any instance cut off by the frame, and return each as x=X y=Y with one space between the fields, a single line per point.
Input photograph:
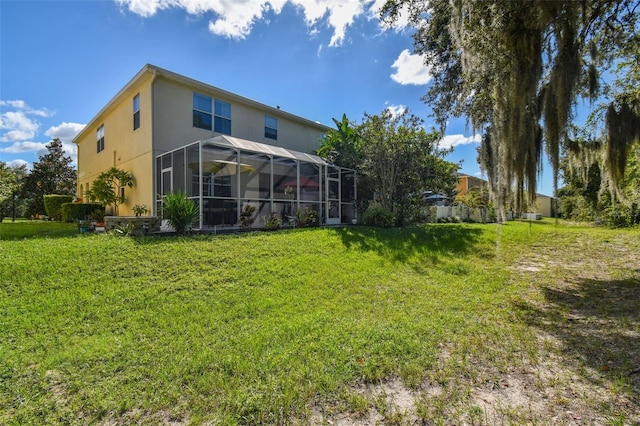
x=308 y=217
x=617 y=217
x=78 y=211
x=272 y=222
x=53 y=204
x=180 y=211
x=376 y=215
x=247 y=216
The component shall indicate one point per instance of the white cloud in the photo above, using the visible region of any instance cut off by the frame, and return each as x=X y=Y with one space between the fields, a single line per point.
x=18 y=123
x=235 y=18
x=397 y=110
x=450 y=141
x=27 y=146
x=13 y=104
x=410 y=69
x=17 y=163
x=65 y=131
x=19 y=127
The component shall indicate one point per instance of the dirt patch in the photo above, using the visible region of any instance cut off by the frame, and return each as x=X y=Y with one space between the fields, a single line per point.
x=582 y=309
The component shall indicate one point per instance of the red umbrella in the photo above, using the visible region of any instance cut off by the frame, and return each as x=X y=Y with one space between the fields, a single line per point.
x=305 y=182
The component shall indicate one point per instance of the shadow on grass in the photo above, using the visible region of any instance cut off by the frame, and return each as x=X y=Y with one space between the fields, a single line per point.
x=430 y=241
x=599 y=324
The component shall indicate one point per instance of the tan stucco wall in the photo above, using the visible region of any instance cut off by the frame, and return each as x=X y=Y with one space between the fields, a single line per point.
x=166 y=123
x=173 y=109
x=124 y=148
x=544 y=205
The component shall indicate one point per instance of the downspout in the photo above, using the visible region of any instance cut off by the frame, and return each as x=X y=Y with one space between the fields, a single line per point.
x=154 y=210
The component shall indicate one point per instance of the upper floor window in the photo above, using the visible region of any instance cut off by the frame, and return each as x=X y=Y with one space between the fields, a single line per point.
x=100 y=138
x=201 y=111
x=136 y=111
x=222 y=117
x=270 y=127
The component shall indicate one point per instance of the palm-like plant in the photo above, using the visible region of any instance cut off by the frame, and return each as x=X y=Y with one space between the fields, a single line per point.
x=180 y=211
x=108 y=188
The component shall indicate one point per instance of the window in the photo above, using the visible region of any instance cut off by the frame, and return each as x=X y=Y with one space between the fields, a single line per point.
x=222 y=117
x=100 y=138
x=270 y=127
x=201 y=111
x=136 y=111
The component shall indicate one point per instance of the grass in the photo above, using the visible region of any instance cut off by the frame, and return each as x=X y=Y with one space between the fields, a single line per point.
x=301 y=325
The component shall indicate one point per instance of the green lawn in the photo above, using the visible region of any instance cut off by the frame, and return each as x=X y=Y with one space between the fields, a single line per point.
x=305 y=326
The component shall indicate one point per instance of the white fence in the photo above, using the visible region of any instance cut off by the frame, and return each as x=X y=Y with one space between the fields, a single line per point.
x=462 y=213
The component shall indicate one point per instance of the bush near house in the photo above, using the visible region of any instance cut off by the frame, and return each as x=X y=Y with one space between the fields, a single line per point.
x=72 y=212
x=53 y=205
x=376 y=215
x=180 y=211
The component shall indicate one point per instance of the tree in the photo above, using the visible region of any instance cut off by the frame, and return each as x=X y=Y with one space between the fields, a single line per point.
x=402 y=160
x=515 y=69
x=396 y=159
x=476 y=199
x=108 y=188
x=51 y=174
x=11 y=178
x=342 y=146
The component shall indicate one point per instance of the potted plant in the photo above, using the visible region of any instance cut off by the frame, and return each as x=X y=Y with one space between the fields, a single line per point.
x=98 y=217
x=84 y=225
x=140 y=210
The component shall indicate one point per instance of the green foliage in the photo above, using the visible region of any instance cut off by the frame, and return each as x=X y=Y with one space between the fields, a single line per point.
x=11 y=178
x=342 y=146
x=477 y=199
x=140 y=209
x=395 y=158
x=72 y=212
x=51 y=174
x=589 y=193
x=272 y=222
x=53 y=205
x=575 y=207
x=247 y=216
x=125 y=230
x=620 y=216
x=308 y=216
x=516 y=70
x=402 y=160
x=180 y=211
x=377 y=215
x=108 y=188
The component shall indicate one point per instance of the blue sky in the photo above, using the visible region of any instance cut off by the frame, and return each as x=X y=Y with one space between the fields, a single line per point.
x=62 y=61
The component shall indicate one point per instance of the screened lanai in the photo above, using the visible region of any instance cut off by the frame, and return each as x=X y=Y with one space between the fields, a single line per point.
x=224 y=174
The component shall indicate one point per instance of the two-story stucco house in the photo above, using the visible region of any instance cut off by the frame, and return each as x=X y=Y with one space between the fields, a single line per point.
x=223 y=150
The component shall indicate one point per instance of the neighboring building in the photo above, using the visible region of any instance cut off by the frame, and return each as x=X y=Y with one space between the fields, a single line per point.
x=544 y=206
x=175 y=133
x=468 y=182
